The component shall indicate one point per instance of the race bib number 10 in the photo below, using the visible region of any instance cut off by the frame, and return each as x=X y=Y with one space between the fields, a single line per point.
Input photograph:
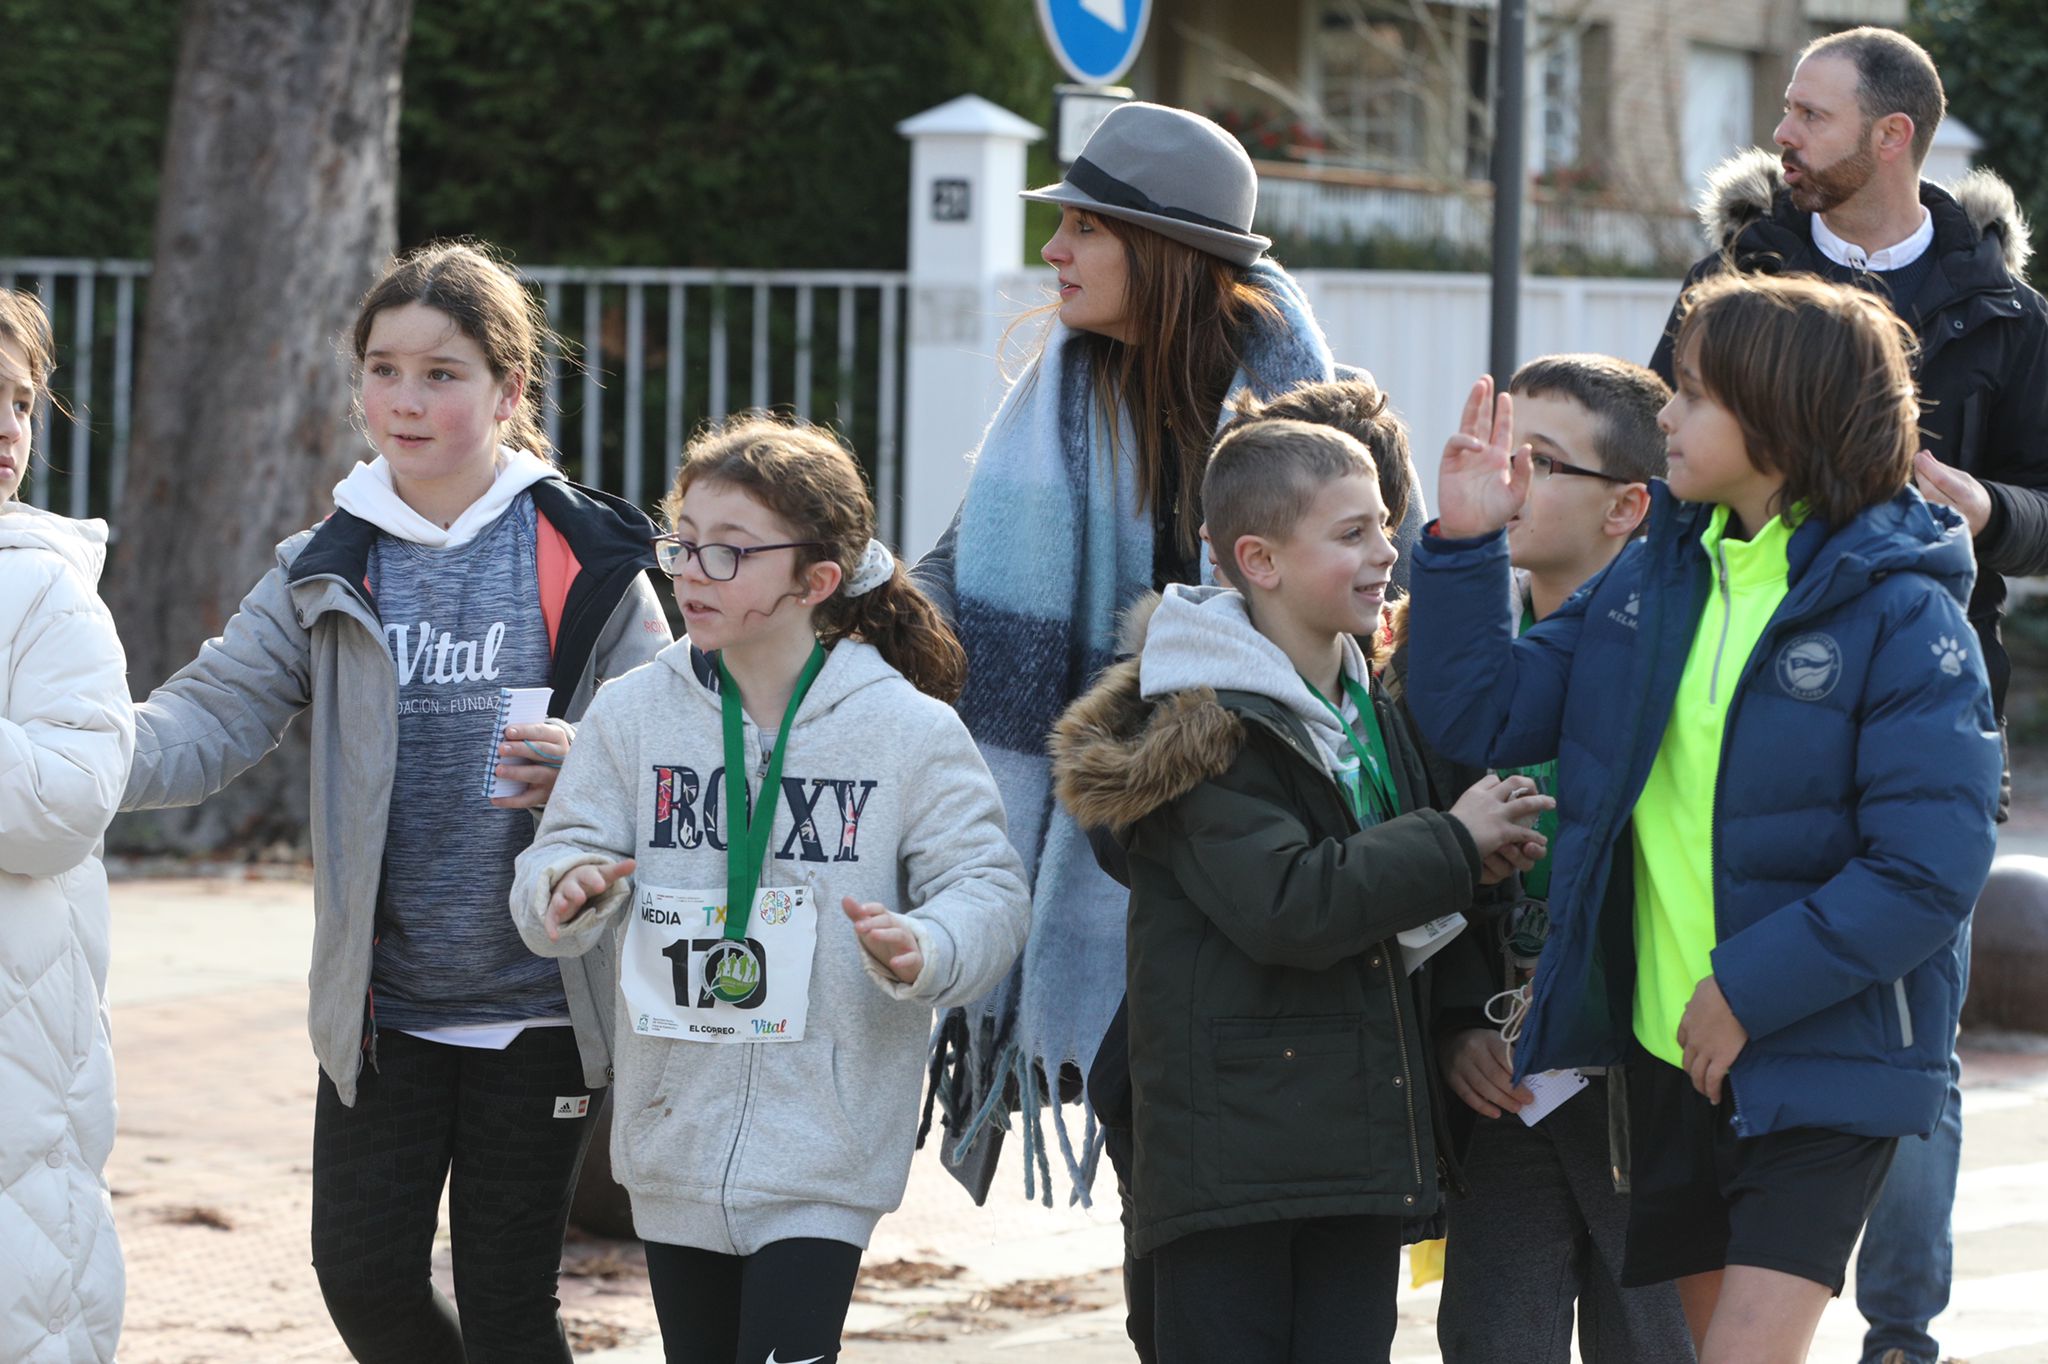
x=684 y=979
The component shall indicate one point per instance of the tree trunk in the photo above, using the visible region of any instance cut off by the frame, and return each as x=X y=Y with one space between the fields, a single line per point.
x=277 y=208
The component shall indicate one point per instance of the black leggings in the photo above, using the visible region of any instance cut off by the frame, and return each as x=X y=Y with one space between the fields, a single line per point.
x=484 y=1122
x=786 y=1301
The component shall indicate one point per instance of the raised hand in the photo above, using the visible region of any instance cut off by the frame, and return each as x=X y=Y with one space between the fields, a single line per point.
x=1483 y=478
x=575 y=891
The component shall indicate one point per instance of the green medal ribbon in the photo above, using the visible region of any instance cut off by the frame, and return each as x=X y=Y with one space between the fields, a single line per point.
x=1372 y=752
x=747 y=829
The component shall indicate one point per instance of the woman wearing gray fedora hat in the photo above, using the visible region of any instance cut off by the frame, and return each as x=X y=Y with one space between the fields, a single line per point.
x=1084 y=497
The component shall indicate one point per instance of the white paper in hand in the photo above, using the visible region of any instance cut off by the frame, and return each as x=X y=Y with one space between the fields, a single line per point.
x=1418 y=945
x=516 y=706
x=1551 y=1089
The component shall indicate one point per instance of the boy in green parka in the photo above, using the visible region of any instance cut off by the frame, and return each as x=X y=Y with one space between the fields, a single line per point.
x=1275 y=816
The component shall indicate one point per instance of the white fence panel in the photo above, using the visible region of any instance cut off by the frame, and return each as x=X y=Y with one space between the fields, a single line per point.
x=1425 y=336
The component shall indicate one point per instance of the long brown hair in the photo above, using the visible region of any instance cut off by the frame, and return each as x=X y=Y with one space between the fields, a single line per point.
x=487 y=303
x=1819 y=378
x=805 y=476
x=1192 y=308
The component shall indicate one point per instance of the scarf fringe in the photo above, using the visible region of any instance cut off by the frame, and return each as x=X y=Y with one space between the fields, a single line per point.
x=969 y=1111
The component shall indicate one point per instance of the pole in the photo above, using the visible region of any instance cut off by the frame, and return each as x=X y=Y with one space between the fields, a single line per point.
x=1509 y=176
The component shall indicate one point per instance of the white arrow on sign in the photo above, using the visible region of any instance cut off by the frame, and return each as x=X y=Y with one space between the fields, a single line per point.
x=1110 y=12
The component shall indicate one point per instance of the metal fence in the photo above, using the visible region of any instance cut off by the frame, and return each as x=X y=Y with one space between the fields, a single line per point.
x=81 y=442
x=647 y=355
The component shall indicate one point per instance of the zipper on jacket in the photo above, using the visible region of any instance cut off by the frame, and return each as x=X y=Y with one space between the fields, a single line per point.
x=739 y=1137
x=1727 y=617
x=370 y=1007
x=1775 y=625
x=1388 y=955
x=613 y=590
x=1905 y=1012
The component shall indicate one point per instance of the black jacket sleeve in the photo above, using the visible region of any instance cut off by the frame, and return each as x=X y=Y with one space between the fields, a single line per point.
x=2014 y=467
x=1286 y=898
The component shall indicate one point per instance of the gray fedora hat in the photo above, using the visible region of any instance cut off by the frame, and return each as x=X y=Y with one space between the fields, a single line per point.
x=1172 y=171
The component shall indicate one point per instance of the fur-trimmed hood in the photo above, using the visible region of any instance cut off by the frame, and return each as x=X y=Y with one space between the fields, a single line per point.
x=1749 y=185
x=1153 y=727
x=1116 y=756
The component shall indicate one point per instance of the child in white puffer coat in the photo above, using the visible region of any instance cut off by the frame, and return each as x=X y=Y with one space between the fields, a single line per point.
x=67 y=732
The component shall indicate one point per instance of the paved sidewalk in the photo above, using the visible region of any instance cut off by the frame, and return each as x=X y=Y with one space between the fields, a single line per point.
x=211 y=1181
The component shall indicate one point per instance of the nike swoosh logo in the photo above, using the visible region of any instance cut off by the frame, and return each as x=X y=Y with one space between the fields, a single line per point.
x=771 y=1359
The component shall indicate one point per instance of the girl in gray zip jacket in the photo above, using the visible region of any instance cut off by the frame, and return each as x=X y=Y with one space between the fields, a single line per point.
x=817 y=858
x=456 y=564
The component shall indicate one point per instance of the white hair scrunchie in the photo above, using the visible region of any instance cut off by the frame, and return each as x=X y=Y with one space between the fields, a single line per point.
x=877 y=565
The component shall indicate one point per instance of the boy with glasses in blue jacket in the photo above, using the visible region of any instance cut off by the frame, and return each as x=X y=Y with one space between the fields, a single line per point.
x=1537 y=1238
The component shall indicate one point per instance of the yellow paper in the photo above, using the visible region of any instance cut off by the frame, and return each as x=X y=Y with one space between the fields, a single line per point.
x=1425 y=1263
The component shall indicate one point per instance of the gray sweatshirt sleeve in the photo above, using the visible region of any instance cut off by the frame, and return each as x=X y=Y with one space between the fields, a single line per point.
x=588 y=822
x=222 y=712
x=964 y=885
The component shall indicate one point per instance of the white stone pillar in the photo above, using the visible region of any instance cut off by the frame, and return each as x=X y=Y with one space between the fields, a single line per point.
x=966 y=230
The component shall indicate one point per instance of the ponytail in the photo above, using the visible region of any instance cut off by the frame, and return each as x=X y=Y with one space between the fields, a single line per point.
x=905 y=628
x=804 y=475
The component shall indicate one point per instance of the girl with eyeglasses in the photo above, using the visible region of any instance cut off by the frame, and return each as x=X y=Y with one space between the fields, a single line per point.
x=456 y=564
x=817 y=860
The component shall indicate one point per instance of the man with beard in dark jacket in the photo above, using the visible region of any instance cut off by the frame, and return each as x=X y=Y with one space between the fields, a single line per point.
x=1844 y=200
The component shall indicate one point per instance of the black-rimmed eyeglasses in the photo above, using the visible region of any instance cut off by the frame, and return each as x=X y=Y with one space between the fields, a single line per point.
x=720 y=563
x=1544 y=466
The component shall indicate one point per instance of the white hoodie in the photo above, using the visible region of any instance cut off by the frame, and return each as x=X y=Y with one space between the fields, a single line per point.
x=368 y=492
x=67 y=733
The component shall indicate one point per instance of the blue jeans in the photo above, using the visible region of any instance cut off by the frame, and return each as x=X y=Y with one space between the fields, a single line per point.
x=1907 y=1262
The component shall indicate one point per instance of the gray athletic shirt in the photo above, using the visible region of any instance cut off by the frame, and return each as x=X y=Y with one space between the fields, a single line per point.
x=460 y=623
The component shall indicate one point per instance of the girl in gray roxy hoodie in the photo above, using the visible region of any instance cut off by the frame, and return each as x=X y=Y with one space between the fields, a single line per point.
x=769 y=1059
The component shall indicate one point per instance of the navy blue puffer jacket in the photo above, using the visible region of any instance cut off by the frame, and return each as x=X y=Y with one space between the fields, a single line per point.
x=1853 y=815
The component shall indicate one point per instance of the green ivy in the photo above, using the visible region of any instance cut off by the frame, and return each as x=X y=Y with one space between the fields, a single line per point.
x=87 y=89
x=597 y=132
x=640 y=132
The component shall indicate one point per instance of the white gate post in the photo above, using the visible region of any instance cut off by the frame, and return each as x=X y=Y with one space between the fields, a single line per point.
x=966 y=230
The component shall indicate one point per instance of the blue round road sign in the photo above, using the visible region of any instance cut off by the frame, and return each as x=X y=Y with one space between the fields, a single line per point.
x=1095 y=40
